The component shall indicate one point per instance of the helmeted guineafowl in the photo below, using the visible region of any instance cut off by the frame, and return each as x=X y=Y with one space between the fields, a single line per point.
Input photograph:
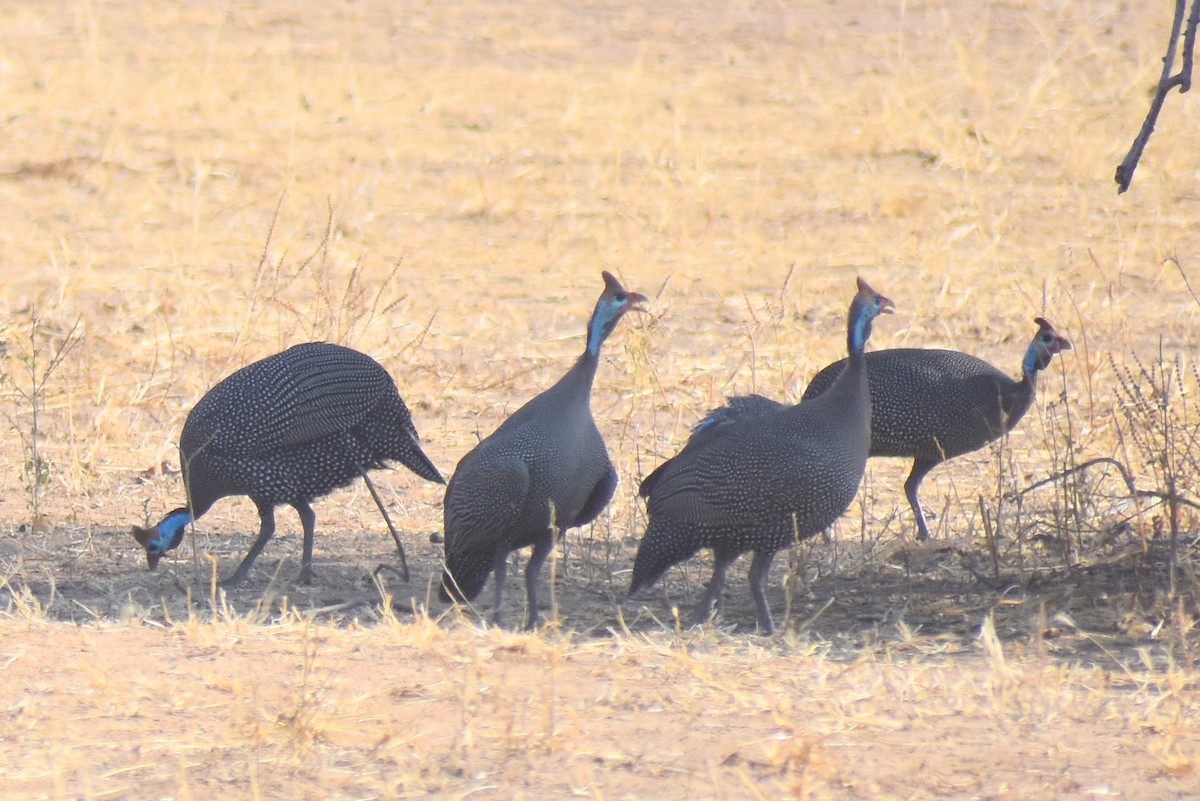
x=285 y=430
x=932 y=405
x=548 y=453
x=760 y=484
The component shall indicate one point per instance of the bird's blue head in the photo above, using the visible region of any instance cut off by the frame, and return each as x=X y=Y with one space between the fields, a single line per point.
x=164 y=537
x=613 y=303
x=1046 y=342
x=866 y=306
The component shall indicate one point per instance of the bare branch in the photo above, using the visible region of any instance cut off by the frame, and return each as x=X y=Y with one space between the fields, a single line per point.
x=1125 y=477
x=1166 y=82
x=1186 y=282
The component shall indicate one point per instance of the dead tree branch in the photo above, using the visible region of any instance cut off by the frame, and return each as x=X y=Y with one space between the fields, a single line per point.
x=1166 y=82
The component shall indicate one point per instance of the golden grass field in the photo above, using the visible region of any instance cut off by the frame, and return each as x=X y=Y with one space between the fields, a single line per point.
x=188 y=187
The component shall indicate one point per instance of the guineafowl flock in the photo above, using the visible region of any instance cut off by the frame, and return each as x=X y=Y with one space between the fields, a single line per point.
x=756 y=474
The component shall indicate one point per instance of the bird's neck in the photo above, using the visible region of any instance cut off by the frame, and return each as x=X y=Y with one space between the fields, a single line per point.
x=176 y=519
x=169 y=531
x=1029 y=373
x=1019 y=397
x=858 y=331
x=852 y=382
x=1034 y=362
x=851 y=385
x=581 y=375
x=203 y=488
x=599 y=327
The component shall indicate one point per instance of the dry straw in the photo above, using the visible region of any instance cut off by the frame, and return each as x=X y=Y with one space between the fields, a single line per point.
x=201 y=185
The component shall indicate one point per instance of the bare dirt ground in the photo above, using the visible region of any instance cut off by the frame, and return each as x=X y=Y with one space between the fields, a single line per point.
x=185 y=188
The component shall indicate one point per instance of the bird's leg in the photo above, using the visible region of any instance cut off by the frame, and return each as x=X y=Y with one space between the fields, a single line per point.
x=266 y=529
x=759 y=567
x=703 y=611
x=499 y=569
x=911 y=486
x=308 y=522
x=386 y=519
x=541 y=549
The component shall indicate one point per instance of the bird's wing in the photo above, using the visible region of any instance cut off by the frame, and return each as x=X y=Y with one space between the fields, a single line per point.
x=484 y=501
x=736 y=408
x=326 y=393
x=601 y=494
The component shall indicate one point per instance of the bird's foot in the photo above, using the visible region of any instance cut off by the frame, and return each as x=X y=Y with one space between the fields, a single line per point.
x=384 y=567
x=237 y=579
x=704 y=613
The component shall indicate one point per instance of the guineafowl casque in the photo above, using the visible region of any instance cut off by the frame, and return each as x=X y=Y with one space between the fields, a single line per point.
x=285 y=430
x=932 y=405
x=549 y=453
x=760 y=484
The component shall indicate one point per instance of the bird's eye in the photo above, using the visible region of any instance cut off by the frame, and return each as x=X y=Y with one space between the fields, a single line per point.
x=620 y=297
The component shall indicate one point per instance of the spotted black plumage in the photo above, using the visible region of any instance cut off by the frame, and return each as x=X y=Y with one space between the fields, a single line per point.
x=286 y=430
x=761 y=483
x=933 y=405
x=548 y=453
x=737 y=407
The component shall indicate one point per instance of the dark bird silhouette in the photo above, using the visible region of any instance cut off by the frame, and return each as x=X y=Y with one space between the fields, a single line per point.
x=286 y=430
x=763 y=482
x=544 y=469
x=933 y=405
x=927 y=405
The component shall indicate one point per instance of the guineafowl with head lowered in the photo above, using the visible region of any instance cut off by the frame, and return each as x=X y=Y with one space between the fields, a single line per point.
x=288 y=429
x=544 y=469
x=765 y=481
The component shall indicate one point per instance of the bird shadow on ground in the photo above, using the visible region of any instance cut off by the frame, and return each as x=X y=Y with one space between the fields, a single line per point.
x=1108 y=605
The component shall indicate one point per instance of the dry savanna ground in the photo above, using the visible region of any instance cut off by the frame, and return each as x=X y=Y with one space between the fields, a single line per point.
x=187 y=187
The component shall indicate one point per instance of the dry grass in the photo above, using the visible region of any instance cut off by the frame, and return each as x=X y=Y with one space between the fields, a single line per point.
x=296 y=710
x=200 y=185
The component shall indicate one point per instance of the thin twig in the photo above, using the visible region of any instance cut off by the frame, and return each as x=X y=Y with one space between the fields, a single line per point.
x=1174 y=260
x=1125 y=476
x=1166 y=82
